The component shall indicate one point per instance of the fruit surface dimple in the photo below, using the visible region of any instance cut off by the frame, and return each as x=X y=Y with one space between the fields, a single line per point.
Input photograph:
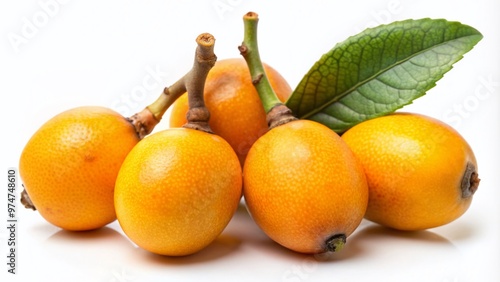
x=414 y=166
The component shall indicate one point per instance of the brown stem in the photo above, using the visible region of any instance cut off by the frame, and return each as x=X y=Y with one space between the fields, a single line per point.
x=193 y=81
x=198 y=115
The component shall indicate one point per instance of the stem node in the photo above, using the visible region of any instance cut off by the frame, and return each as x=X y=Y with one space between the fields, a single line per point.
x=257 y=79
x=243 y=50
x=279 y=115
x=198 y=119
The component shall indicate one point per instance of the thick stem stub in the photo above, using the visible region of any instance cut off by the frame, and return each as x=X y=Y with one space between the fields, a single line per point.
x=335 y=243
x=198 y=114
x=26 y=200
x=470 y=181
x=279 y=115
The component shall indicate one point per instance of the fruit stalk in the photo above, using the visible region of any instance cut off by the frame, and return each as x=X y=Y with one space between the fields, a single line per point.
x=277 y=112
x=198 y=115
x=193 y=81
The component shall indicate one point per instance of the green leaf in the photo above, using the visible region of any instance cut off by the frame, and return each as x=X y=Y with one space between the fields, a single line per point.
x=379 y=71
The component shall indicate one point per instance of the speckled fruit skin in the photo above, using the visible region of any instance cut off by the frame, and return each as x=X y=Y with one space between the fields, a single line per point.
x=177 y=190
x=302 y=185
x=69 y=166
x=414 y=166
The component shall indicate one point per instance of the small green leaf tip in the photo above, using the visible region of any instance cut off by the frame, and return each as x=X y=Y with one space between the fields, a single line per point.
x=380 y=70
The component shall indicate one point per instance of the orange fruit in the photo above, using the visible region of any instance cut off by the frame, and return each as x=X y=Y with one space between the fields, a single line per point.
x=177 y=190
x=236 y=112
x=69 y=166
x=421 y=173
x=304 y=188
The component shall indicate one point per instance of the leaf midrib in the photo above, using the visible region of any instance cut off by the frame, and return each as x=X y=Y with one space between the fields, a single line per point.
x=337 y=97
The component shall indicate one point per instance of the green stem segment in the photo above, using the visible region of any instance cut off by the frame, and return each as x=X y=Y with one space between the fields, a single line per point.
x=250 y=51
x=145 y=121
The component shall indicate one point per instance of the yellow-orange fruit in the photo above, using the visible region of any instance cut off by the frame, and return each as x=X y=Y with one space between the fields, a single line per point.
x=421 y=173
x=177 y=190
x=69 y=166
x=304 y=187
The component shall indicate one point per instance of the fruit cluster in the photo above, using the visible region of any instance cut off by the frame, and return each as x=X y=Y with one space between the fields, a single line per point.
x=232 y=137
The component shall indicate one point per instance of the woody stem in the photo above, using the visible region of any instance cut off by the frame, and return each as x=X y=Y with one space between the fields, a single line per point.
x=194 y=80
x=198 y=115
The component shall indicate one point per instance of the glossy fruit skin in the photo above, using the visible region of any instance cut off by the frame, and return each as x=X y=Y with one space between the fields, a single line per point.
x=303 y=185
x=236 y=112
x=177 y=190
x=414 y=166
x=69 y=166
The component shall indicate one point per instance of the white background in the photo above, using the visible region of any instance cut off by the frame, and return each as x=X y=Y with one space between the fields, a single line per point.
x=72 y=53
